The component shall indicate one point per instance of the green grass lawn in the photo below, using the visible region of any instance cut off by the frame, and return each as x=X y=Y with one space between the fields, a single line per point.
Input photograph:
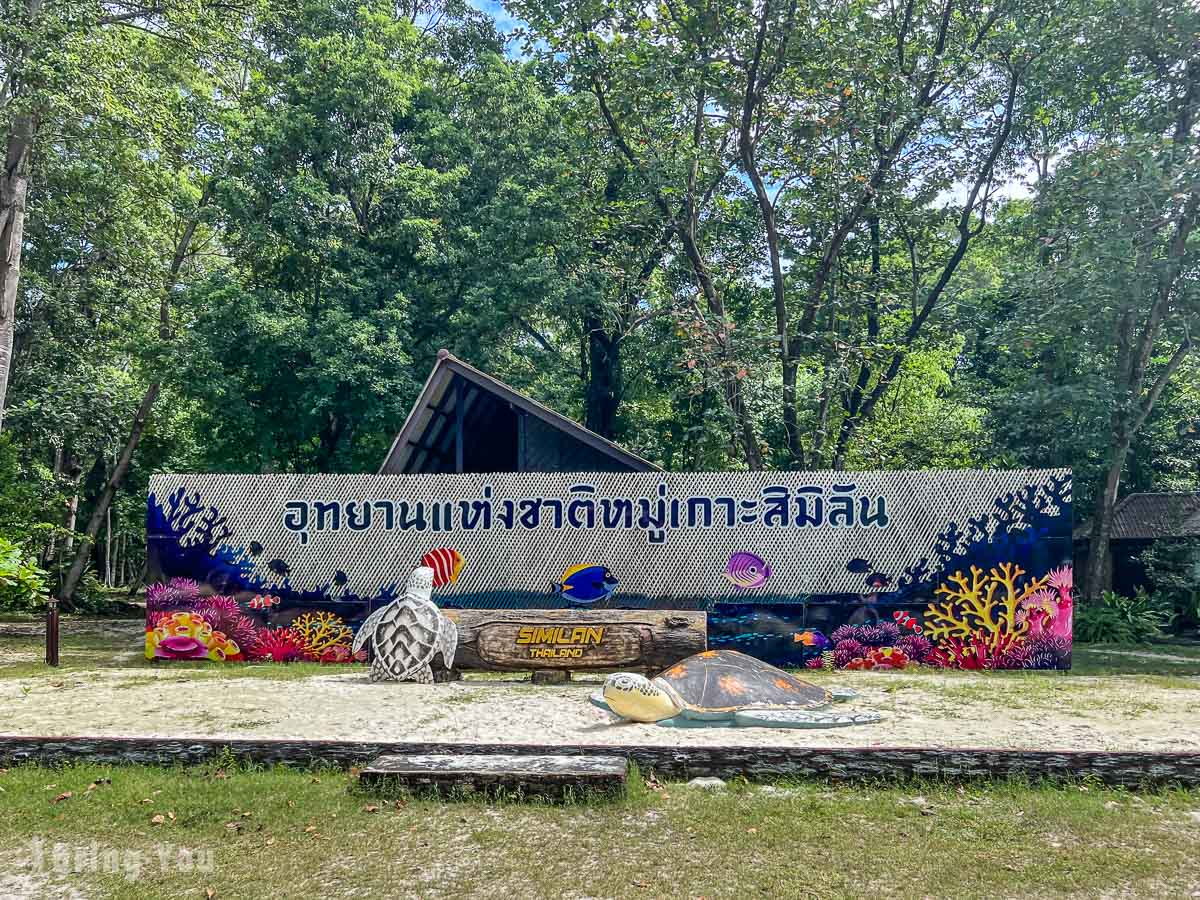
x=287 y=833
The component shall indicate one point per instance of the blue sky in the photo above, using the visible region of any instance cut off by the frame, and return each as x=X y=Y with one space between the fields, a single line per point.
x=497 y=11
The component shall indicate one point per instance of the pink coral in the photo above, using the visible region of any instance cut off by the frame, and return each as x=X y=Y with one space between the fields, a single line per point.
x=814 y=663
x=1048 y=612
x=1062 y=580
x=225 y=615
x=243 y=630
x=219 y=610
x=280 y=645
x=915 y=646
x=847 y=650
x=979 y=652
x=888 y=658
x=338 y=653
x=881 y=634
x=844 y=633
x=176 y=593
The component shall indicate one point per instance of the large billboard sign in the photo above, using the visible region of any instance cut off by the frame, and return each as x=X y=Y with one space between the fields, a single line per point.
x=790 y=566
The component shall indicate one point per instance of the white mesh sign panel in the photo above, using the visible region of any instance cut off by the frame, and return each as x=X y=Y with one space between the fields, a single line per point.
x=662 y=536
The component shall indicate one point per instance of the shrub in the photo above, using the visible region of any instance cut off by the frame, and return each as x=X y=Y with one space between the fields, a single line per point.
x=1122 y=620
x=22 y=583
x=1173 y=569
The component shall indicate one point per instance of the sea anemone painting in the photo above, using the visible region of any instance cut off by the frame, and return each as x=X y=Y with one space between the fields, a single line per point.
x=177 y=593
x=915 y=646
x=846 y=650
x=185 y=635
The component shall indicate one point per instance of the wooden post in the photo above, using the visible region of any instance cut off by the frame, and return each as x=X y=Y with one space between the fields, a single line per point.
x=52 y=632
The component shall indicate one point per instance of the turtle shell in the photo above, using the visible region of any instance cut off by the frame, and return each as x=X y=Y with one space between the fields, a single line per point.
x=406 y=636
x=718 y=683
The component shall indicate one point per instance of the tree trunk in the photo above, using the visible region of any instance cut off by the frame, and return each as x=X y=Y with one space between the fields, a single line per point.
x=182 y=249
x=605 y=383
x=752 y=98
x=52 y=543
x=106 y=496
x=14 y=192
x=108 y=545
x=1098 y=575
x=72 y=515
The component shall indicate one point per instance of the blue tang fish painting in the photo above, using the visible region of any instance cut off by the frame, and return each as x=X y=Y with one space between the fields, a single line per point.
x=586 y=584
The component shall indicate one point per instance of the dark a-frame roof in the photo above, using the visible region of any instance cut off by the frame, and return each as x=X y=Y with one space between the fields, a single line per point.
x=467 y=421
x=1146 y=517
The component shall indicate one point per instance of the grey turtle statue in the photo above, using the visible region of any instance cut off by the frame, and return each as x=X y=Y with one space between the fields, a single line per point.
x=725 y=688
x=406 y=635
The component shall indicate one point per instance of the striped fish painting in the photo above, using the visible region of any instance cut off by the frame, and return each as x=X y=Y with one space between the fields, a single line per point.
x=446 y=563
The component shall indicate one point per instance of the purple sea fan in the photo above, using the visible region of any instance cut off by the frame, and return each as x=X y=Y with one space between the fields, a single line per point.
x=915 y=646
x=847 y=650
x=1047 y=652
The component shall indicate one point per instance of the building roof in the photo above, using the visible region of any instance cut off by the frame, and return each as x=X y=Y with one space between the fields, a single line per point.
x=429 y=440
x=1142 y=517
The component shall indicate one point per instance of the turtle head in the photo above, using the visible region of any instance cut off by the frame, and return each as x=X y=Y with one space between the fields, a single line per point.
x=420 y=584
x=637 y=698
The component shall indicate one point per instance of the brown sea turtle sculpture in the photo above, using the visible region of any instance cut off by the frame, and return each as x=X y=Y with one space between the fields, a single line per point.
x=724 y=688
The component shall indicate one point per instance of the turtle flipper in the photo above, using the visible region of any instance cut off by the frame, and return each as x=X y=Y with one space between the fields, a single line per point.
x=841 y=695
x=597 y=699
x=378 y=671
x=799 y=718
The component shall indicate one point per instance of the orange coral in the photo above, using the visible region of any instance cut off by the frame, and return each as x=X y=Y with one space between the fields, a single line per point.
x=320 y=631
x=984 y=604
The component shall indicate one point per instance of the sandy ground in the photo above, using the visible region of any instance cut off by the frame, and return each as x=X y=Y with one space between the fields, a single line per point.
x=1001 y=710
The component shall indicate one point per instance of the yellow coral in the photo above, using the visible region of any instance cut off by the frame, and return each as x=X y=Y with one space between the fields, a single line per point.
x=984 y=604
x=322 y=630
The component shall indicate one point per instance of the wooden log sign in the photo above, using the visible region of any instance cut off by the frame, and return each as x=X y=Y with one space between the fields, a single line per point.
x=511 y=640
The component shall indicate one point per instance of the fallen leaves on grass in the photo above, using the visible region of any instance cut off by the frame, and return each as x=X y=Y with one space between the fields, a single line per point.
x=371 y=807
x=158 y=819
x=65 y=795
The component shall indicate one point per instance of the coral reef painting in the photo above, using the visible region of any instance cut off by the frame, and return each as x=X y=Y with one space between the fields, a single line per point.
x=999 y=595
x=967 y=570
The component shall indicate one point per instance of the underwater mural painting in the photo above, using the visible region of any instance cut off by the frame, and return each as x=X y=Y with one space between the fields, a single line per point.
x=964 y=569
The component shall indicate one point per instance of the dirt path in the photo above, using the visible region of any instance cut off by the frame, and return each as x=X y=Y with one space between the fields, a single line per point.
x=1003 y=710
